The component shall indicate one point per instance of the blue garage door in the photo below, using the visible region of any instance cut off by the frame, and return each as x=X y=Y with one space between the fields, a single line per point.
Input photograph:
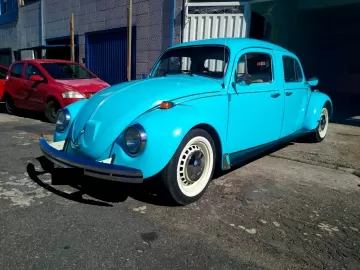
x=106 y=54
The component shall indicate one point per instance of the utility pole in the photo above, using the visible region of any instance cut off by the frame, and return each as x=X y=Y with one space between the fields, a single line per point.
x=129 y=39
x=72 y=45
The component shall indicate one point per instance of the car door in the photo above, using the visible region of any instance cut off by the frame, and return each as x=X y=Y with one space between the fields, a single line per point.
x=255 y=110
x=35 y=91
x=15 y=82
x=296 y=95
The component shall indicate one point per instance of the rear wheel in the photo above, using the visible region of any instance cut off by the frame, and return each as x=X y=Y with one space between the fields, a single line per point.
x=320 y=133
x=9 y=105
x=51 y=110
x=190 y=170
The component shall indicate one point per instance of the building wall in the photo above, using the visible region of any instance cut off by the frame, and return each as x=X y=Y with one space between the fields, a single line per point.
x=311 y=4
x=24 y=32
x=323 y=34
x=151 y=18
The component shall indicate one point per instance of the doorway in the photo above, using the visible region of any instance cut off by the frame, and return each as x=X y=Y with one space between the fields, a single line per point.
x=61 y=48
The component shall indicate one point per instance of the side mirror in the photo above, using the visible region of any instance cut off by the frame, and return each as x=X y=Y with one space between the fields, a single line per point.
x=313 y=81
x=244 y=78
x=36 y=78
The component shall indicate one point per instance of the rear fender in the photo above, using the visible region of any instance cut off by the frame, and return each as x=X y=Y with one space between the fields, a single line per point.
x=317 y=101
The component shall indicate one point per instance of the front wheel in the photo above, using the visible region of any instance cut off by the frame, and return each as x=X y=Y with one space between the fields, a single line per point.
x=320 y=133
x=9 y=105
x=51 y=110
x=190 y=170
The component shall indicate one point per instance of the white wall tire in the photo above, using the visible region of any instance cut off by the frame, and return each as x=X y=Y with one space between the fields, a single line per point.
x=321 y=131
x=324 y=123
x=190 y=170
x=196 y=158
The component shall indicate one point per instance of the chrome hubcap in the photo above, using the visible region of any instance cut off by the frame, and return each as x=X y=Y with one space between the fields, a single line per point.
x=192 y=165
x=322 y=122
x=195 y=166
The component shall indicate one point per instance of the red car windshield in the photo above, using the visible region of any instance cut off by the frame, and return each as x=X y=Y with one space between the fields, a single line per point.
x=67 y=71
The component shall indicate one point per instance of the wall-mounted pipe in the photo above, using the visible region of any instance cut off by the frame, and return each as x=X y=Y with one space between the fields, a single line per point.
x=41 y=23
x=172 y=22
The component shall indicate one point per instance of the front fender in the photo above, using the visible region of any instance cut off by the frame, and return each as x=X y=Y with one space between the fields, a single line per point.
x=73 y=109
x=316 y=102
x=166 y=129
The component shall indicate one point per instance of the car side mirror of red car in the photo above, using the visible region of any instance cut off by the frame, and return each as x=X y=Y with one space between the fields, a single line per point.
x=36 y=78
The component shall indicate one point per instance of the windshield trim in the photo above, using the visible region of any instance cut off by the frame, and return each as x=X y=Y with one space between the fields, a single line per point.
x=70 y=64
x=156 y=64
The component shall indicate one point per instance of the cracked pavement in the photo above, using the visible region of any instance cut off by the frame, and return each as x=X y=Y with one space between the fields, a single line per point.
x=288 y=210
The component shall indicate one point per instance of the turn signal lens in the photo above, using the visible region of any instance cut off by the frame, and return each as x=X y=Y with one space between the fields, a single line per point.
x=166 y=105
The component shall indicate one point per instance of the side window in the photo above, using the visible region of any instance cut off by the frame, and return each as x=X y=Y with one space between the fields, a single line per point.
x=299 y=75
x=257 y=65
x=17 y=69
x=292 y=70
x=3 y=73
x=32 y=70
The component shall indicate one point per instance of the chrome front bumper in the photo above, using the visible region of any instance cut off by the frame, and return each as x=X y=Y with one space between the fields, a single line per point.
x=91 y=168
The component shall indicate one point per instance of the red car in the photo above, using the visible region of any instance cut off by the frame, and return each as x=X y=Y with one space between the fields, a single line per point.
x=48 y=85
x=3 y=74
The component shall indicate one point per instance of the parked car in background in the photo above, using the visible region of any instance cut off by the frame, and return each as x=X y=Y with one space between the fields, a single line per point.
x=3 y=74
x=205 y=103
x=48 y=85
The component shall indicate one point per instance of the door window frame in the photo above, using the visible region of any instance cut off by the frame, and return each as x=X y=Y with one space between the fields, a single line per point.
x=295 y=61
x=22 y=72
x=266 y=51
x=25 y=72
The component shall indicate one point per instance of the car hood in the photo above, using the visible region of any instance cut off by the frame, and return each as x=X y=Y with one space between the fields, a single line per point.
x=83 y=85
x=106 y=114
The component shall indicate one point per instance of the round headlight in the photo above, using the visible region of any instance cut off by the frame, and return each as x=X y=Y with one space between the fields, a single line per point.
x=62 y=120
x=135 y=140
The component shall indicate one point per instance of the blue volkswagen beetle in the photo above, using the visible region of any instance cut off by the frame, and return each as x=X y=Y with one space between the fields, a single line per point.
x=205 y=103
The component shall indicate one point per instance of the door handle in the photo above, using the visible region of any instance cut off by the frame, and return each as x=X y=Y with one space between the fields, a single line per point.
x=275 y=95
x=289 y=93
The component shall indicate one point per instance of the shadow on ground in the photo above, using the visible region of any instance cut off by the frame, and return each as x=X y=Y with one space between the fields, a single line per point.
x=102 y=192
x=26 y=114
x=105 y=193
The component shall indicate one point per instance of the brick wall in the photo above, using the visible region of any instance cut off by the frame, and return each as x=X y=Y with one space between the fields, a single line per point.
x=151 y=18
x=23 y=33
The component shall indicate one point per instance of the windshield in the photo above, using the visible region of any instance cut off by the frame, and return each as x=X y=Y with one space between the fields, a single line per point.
x=209 y=61
x=67 y=71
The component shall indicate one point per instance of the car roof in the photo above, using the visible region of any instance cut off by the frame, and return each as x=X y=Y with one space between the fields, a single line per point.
x=233 y=43
x=44 y=61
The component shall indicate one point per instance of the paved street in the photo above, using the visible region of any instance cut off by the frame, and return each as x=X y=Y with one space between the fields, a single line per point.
x=296 y=208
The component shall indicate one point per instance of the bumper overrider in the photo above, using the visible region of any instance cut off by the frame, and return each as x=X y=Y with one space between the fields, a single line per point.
x=91 y=168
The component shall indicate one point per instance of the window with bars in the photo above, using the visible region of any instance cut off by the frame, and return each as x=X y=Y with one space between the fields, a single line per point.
x=216 y=10
x=8 y=11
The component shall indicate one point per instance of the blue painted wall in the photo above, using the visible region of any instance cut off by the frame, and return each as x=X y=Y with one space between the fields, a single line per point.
x=106 y=54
